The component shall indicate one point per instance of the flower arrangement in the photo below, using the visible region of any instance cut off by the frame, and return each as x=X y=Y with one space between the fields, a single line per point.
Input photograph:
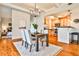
x=35 y=27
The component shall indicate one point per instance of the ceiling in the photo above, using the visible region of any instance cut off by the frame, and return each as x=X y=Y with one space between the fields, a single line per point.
x=41 y=6
x=49 y=8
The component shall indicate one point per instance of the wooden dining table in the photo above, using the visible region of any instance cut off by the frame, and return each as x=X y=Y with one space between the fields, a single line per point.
x=38 y=35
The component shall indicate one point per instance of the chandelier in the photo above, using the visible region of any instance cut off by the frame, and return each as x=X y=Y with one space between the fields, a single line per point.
x=35 y=12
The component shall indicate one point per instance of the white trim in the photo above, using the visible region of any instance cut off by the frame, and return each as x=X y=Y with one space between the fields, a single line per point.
x=15 y=7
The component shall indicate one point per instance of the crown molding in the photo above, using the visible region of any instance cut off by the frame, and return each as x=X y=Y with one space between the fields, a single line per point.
x=16 y=7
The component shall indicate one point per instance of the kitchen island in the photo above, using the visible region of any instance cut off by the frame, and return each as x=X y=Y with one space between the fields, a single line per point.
x=64 y=34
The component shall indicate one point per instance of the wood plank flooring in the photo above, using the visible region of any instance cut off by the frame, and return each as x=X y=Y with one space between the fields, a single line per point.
x=68 y=49
x=8 y=49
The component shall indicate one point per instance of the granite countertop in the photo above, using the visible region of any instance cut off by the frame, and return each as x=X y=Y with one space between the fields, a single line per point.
x=65 y=27
x=60 y=27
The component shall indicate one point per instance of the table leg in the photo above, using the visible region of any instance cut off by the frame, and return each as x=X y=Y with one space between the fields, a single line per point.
x=47 y=40
x=37 y=45
x=78 y=39
x=71 y=38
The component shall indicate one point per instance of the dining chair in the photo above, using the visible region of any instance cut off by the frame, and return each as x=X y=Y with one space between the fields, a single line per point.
x=43 y=39
x=9 y=35
x=32 y=31
x=29 y=39
x=23 y=37
x=45 y=31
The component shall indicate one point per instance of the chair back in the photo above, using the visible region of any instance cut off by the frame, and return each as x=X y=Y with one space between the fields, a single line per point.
x=23 y=34
x=28 y=36
x=45 y=31
x=9 y=34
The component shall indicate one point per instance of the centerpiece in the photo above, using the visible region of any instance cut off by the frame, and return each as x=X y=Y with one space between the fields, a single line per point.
x=35 y=26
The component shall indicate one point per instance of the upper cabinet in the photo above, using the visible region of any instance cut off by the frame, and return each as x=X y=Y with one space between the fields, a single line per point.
x=51 y=21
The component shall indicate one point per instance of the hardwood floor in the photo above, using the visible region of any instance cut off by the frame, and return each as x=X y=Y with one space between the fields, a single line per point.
x=8 y=49
x=68 y=49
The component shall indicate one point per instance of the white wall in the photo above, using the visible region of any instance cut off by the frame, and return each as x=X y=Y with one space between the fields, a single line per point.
x=19 y=19
x=5 y=12
x=38 y=20
x=75 y=15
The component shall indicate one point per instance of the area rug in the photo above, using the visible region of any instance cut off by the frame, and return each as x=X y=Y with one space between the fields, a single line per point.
x=52 y=50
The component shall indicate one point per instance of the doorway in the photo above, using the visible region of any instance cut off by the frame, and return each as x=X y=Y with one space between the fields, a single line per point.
x=5 y=22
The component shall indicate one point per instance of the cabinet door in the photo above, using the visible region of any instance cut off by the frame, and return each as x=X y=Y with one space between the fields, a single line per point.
x=0 y=27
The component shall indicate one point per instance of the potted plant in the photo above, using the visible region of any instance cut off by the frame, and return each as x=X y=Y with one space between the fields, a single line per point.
x=35 y=26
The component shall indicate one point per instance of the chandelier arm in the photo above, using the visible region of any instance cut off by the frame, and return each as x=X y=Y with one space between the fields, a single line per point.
x=35 y=12
x=35 y=6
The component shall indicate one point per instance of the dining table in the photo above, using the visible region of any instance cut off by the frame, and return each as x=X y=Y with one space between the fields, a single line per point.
x=38 y=35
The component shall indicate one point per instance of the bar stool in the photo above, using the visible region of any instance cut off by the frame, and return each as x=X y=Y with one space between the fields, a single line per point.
x=72 y=36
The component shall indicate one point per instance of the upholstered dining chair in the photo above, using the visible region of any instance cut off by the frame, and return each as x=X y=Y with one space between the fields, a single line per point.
x=29 y=39
x=43 y=39
x=9 y=35
x=23 y=37
x=45 y=31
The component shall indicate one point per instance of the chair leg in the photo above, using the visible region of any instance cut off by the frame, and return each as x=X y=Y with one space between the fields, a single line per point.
x=25 y=43
x=34 y=44
x=30 y=48
x=78 y=39
x=22 y=43
x=42 y=43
